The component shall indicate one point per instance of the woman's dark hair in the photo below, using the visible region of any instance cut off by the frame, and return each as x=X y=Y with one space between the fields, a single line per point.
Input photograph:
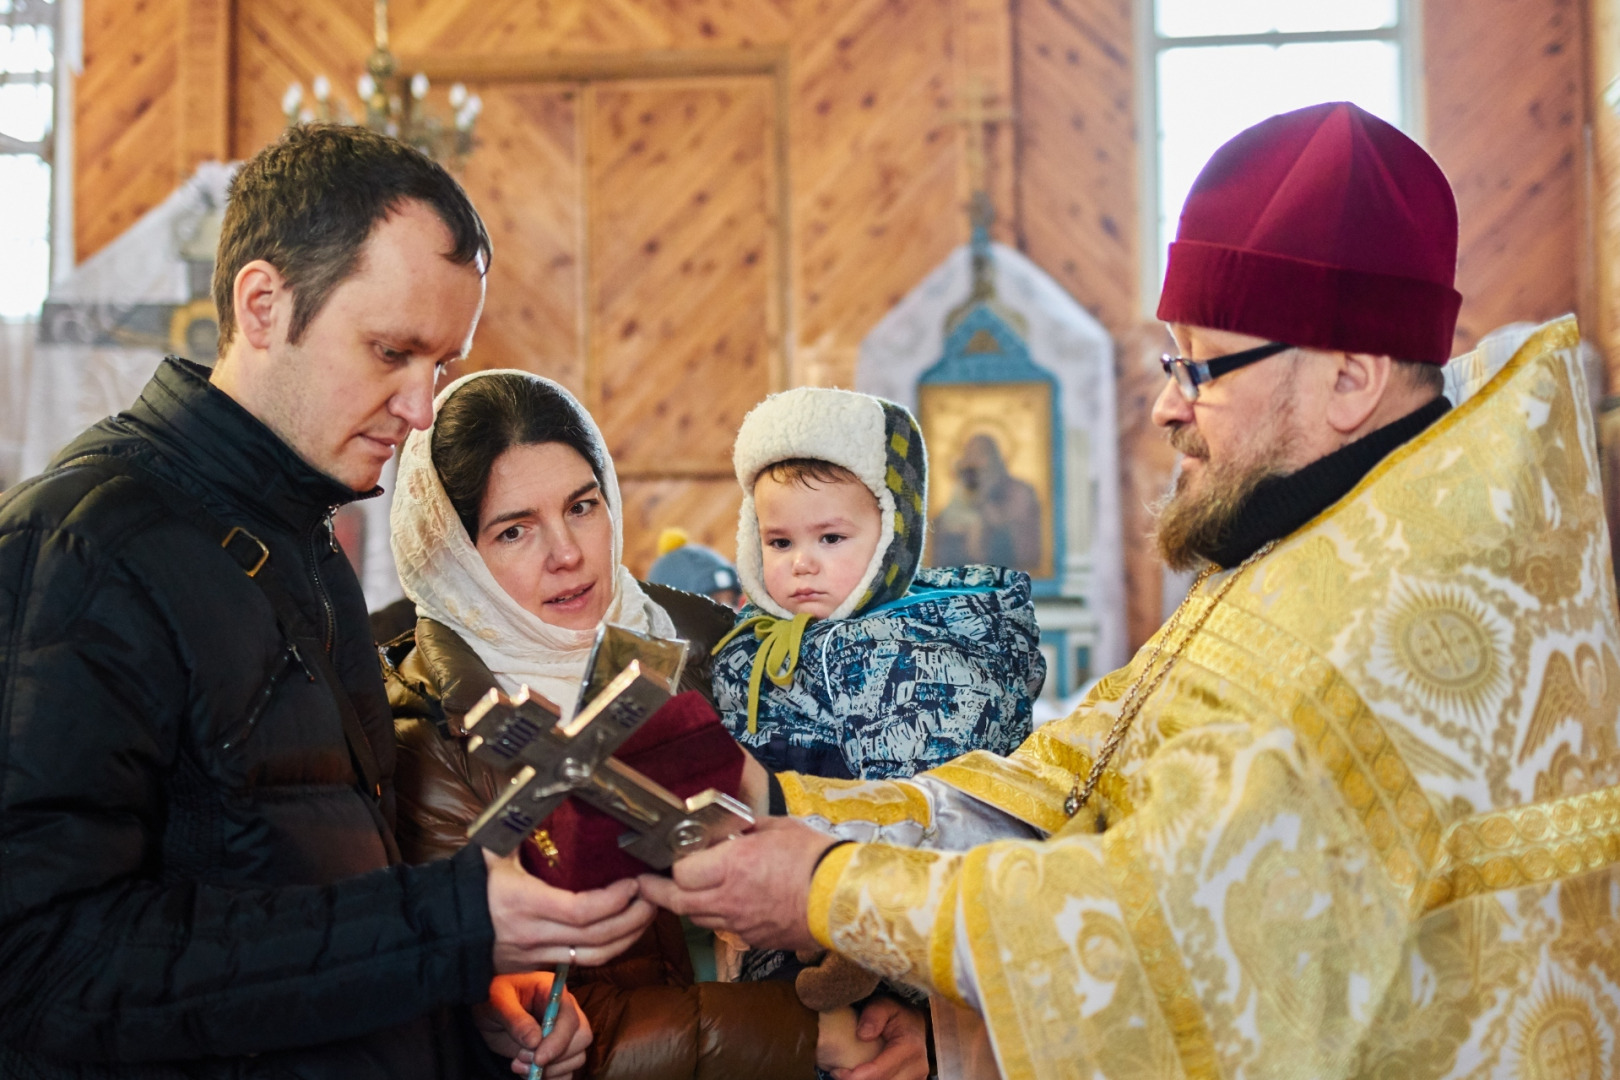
x=486 y=418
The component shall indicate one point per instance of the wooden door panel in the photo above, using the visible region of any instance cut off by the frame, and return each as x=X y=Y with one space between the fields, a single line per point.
x=525 y=181
x=684 y=287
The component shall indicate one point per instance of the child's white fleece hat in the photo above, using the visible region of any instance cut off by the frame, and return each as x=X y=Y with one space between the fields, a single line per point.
x=876 y=440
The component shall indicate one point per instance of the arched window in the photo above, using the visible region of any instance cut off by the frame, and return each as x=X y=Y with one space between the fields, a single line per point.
x=1214 y=67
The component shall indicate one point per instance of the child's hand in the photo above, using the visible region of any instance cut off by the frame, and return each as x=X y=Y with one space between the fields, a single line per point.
x=902 y=1032
x=510 y=1024
x=754 y=789
x=837 y=1045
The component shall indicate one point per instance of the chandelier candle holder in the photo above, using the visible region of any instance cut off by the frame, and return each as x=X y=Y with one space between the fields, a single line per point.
x=394 y=106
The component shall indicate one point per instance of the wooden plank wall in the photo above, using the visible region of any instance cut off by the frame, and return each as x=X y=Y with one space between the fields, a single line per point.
x=1077 y=151
x=126 y=117
x=1078 y=219
x=831 y=181
x=1505 y=86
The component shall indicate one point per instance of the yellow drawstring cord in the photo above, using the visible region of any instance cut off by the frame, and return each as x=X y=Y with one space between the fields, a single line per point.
x=777 y=655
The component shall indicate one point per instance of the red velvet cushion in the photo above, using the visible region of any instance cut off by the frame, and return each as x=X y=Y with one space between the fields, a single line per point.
x=684 y=747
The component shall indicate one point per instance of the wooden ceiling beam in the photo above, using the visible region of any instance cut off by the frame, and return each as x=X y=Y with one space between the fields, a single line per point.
x=590 y=67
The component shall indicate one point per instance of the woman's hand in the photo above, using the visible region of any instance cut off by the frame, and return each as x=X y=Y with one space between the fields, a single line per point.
x=536 y=923
x=510 y=1024
x=837 y=1044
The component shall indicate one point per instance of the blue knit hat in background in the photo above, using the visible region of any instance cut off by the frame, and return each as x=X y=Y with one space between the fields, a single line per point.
x=690 y=567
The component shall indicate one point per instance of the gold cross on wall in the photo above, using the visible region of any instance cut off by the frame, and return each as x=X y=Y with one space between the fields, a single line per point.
x=976 y=116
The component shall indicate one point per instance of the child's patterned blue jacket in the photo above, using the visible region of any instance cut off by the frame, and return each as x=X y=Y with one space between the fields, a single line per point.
x=951 y=666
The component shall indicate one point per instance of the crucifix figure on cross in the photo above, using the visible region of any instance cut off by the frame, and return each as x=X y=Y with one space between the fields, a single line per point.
x=559 y=759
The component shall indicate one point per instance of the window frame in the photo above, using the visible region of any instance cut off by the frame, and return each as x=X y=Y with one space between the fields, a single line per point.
x=1406 y=34
x=65 y=20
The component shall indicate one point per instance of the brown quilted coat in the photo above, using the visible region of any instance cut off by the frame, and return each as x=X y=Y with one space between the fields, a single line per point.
x=651 y=1020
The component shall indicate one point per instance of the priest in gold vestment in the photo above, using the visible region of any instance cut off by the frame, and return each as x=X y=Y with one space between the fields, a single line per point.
x=1354 y=811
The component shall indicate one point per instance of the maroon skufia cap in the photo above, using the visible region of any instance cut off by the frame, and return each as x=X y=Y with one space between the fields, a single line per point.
x=1325 y=228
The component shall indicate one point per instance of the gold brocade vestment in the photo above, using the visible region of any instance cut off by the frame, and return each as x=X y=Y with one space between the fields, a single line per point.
x=1367 y=827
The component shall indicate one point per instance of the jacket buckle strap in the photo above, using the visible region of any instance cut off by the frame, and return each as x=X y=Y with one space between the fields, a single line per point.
x=249 y=560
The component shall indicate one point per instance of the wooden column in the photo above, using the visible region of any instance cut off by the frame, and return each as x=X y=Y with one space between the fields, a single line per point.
x=983 y=73
x=204 y=84
x=1601 y=319
x=1603 y=54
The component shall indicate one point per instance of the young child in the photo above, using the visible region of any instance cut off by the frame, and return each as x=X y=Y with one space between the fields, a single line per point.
x=849 y=660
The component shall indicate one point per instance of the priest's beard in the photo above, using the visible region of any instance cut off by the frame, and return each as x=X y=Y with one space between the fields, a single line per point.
x=1194 y=519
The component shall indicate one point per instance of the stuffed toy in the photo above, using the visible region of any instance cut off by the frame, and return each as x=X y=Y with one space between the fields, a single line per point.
x=832 y=981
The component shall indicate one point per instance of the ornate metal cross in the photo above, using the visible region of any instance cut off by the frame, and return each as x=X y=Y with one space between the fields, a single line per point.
x=575 y=758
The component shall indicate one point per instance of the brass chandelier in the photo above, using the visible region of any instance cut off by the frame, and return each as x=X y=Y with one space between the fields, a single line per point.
x=394 y=106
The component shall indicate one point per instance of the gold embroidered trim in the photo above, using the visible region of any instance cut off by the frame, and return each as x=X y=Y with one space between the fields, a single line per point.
x=1159 y=953
x=1525 y=845
x=1431 y=862
x=1006 y=786
x=1337 y=730
x=1114 y=787
x=839 y=801
x=942 y=943
x=823 y=886
x=880 y=906
x=1029 y=785
x=1153 y=673
x=997 y=1001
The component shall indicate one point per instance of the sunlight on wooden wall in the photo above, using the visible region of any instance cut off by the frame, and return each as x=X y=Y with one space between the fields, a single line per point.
x=694 y=202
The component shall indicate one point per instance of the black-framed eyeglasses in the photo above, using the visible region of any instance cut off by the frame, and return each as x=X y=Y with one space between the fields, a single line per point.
x=1191 y=374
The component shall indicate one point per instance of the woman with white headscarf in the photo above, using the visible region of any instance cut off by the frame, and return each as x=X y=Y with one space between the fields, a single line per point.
x=508 y=533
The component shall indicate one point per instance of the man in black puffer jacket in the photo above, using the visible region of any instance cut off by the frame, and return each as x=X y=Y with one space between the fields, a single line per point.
x=198 y=876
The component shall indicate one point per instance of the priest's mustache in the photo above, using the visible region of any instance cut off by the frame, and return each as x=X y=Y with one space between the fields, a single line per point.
x=1185 y=438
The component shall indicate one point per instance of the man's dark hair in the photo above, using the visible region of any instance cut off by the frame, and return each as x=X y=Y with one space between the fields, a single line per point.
x=487 y=417
x=307 y=203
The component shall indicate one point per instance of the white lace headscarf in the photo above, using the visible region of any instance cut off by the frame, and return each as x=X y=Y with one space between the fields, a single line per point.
x=446 y=577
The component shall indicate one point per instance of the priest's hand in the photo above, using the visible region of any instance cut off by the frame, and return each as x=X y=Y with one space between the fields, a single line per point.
x=510 y=1024
x=537 y=923
x=756 y=885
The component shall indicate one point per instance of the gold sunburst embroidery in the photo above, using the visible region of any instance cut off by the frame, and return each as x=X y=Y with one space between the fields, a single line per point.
x=1446 y=648
x=1181 y=786
x=1558 y=1037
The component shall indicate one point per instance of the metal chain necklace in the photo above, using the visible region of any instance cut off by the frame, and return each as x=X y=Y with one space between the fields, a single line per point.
x=1142 y=688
